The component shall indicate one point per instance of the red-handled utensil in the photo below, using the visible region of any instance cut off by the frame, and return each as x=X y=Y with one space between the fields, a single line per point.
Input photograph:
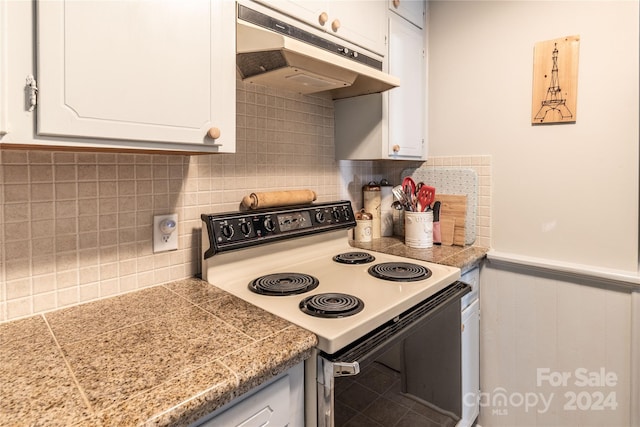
x=426 y=196
x=409 y=187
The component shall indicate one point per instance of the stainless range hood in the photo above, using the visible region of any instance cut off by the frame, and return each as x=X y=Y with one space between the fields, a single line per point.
x=273 y=53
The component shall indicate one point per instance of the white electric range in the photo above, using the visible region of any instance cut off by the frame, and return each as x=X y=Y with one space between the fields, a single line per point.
x=261 y=256
x=365 y=307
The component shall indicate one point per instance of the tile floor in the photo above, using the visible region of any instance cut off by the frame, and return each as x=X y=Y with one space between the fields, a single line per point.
x=374 y=399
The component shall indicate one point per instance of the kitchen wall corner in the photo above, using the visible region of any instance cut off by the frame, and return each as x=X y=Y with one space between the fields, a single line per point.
x=355 y=174
x=481 y=164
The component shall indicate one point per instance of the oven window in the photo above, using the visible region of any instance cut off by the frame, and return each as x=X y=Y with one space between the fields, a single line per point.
x=375 y=397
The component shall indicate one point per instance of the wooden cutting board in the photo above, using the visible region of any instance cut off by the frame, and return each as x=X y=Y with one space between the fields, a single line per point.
x=453 y=206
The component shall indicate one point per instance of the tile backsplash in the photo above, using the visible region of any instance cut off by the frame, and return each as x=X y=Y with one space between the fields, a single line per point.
x=76 y=227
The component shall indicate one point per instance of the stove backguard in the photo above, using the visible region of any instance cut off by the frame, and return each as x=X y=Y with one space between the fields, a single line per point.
x=238 y=230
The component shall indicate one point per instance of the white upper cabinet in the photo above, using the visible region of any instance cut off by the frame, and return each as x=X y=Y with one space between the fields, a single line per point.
x=390 y=125
x=158 y=74
x=411 y=10
x=407 y=103
x=360 y=22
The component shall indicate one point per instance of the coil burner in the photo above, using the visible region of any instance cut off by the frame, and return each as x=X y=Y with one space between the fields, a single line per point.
x=331 y=305
x=399 y=271
x=282 y=284
x=354 y=258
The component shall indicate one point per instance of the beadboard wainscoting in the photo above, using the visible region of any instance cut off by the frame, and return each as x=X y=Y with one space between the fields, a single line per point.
x=556 y=349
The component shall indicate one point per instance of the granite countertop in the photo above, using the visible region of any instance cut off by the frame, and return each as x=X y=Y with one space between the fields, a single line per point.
x=165 y=355
x=463 y=257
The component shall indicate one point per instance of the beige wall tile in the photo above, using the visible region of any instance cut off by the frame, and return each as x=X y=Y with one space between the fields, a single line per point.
x=16 y=212
x=16 y=193
x=66 y=191
x=17 y=249
x=42 y=265
x=40 y=157
x=16 y=174
x=87 y=172
x=79 y=225
x=43 y=283
x=41 y=192
x=16 y=231
x=44 y=302
x=18 y=288
x=65 y=172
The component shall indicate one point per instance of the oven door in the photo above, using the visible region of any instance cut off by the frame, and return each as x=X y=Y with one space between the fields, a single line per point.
x=421 y=348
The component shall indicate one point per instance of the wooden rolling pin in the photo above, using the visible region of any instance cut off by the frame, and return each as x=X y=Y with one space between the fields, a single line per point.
x=278 y=198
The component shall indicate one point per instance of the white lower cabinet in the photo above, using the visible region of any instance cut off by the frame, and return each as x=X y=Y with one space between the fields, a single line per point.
x=140 y=75
x=470 y=319
x=278 y=403
x=470 y=364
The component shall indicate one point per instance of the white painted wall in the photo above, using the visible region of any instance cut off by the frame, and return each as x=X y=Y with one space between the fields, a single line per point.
x=561 y=192
x=565 y=193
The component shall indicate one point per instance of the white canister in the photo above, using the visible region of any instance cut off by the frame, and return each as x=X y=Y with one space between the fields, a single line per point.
x=364 y=222
x=386 y=210
x=371 y=201
x=418 y=229
x=398 y=222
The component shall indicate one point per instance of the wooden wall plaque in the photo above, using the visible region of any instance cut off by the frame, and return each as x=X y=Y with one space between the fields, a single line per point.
x=555 y=81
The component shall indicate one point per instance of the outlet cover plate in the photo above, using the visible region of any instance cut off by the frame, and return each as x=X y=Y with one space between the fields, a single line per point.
x=165 y=242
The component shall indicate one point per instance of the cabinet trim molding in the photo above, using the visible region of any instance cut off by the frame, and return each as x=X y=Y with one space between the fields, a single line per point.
x=586 y=275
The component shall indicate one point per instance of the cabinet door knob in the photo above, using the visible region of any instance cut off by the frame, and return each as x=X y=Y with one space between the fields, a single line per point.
x=335 y=25
x=214 y=133
x=396 y=3
x=396 y=148
x=323 y=18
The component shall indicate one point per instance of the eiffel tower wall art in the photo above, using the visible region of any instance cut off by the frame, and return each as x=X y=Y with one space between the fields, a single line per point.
x=555 y=81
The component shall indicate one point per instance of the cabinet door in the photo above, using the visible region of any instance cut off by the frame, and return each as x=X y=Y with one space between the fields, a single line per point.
x=411 y=10
x=407 y=102
x=150 y=71
x=278 y=402
x=306 y=11
x=470 y=364
x=361 y=22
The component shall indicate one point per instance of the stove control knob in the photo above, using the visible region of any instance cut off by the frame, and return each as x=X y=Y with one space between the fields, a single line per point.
x=320 y=216
x=269 y=224
x=347 y=215
x=227 y=231
x=336 y=214
x=245 y=227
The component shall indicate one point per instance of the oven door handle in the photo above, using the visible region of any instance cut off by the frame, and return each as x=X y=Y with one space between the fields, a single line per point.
x=345 y=369
x=327 y=371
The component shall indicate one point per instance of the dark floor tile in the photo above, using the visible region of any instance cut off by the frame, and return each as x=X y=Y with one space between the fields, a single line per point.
x=378 y=379
x=361 y=420
x=413 y=419
x=395 y=394
x=385 y=411
x=358 y=397
x=343 y=413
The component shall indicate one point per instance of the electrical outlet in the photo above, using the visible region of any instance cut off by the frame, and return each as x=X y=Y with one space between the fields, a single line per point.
x=165 y=233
